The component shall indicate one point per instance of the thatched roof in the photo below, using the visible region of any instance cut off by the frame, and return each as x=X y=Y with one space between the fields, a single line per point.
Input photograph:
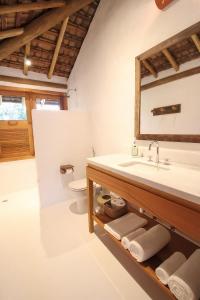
x=42 y=47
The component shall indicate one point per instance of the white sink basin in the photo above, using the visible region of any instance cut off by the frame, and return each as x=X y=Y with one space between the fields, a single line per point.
x=143 y=166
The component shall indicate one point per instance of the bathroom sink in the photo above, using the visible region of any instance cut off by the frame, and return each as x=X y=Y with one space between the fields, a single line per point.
x=142 y=166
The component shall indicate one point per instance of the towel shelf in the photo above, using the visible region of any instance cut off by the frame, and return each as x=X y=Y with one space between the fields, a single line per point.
x=161 y=205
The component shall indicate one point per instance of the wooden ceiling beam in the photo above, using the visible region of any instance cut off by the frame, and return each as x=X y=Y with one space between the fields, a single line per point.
x=171 y=59
x=196 y=41
x=57 y=49
x=10 y=33
x=32 y=82
x=26 y=56
x=23 y=7
x=149 y=68
x=40 y=25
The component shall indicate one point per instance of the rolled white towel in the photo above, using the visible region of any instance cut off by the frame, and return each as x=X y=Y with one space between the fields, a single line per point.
x=185 y=282
x=131 y=236
x=149 y=243
x=169 y=266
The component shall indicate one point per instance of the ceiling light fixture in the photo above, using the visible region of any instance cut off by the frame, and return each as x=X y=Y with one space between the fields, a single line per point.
x=27 y=62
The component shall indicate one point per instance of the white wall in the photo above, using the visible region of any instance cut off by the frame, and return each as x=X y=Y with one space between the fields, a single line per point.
x=60 y=137
x=104 y=71
x=17 y=175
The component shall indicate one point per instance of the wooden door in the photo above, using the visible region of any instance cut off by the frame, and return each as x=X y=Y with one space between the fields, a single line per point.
x=16 y=137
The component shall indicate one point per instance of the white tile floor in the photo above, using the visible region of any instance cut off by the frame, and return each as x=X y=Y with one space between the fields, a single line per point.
x=48 y=254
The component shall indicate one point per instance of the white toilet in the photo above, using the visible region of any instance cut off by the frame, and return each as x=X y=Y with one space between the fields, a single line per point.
x=79 y=188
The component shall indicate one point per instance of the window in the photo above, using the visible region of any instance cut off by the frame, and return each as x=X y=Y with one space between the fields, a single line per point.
x=12 y=108
x=47 y=104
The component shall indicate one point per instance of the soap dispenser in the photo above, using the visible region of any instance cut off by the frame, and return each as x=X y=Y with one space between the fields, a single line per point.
x=134 y=150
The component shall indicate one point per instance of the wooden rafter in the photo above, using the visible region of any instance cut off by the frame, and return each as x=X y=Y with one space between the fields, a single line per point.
x=26 y=56
x=8 y=9
x=40 y=25
x=196 y=41
x=149 y=68
x=171 y=59
x=57 y=49
x=10 y=33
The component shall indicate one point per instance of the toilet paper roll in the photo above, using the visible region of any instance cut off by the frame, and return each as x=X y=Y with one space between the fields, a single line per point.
x=117 y=202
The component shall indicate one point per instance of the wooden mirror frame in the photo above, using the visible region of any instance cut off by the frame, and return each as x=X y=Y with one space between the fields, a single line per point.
x=189 y=138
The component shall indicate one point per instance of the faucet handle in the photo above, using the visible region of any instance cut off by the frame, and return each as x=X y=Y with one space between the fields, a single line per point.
x=150 y=158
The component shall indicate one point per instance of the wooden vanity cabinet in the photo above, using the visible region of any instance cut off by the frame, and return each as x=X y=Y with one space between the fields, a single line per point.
x=177 y=213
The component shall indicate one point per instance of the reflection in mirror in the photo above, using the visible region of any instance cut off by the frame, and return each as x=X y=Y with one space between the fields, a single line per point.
x=168 y=89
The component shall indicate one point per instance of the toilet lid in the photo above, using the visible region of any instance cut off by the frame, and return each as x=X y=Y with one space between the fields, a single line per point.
x=78 y=185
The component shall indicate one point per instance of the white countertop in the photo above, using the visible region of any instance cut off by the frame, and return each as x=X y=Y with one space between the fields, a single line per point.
x=178 y=179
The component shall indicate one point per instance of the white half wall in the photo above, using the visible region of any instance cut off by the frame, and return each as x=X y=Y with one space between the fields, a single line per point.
x=17 y=175
x=60 y=137
x=104 y=72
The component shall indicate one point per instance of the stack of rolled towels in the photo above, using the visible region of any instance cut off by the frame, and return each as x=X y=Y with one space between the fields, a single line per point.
x=180 y=274
x=185 y=282
x=170 y=266
x=141 y=243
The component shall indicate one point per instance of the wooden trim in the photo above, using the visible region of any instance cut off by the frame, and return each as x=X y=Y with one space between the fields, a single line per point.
x=170 y=78
x=10 y=32
x=90 y=204
x=15 y=8
x=196 y=41
x=137 y=96
x=58 y=45
x=170 y=41
x=23 y=91
x=32 y=82
x=26 y=56
x=171 y=59
x=187 y=138
x=30 y=127
x=64 y=102
x=16 y=158
x=40 y=25
x=149 y=68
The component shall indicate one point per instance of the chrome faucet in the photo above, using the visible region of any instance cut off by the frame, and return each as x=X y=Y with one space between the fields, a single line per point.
x=157 y=150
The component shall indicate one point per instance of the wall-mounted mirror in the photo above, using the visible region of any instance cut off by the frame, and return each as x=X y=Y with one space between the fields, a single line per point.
x=168 y=89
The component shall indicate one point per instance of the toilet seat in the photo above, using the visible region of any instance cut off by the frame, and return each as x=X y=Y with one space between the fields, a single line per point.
x=78 y=185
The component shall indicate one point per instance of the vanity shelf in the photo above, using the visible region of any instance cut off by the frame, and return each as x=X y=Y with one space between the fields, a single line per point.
x=133 y=193
x=177 y=243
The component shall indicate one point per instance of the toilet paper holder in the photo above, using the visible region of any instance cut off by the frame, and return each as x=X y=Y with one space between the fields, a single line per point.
x=66 y=168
